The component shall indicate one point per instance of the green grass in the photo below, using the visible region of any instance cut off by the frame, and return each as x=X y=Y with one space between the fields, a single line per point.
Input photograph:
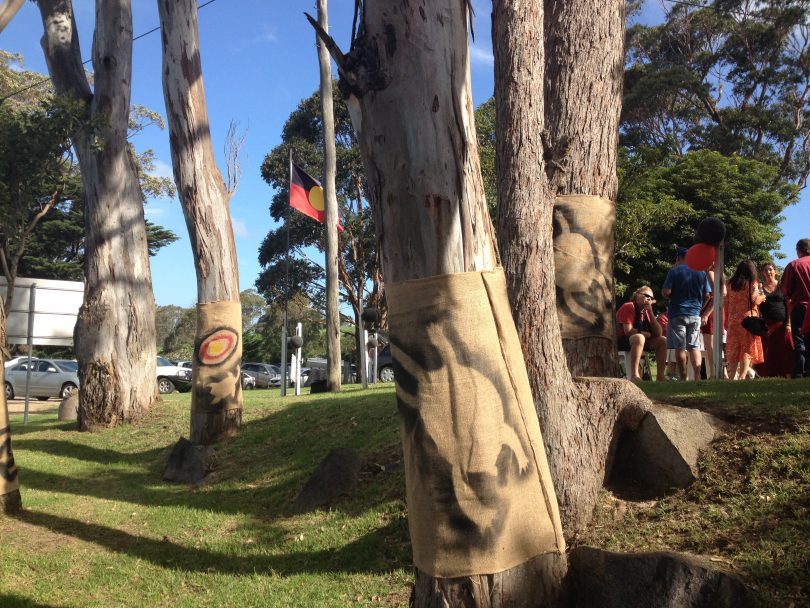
x=100 y=528
x=750 y=508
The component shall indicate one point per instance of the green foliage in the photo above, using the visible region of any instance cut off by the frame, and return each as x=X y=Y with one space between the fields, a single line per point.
x=660 y=204
x=485 y=127
x=37 y=165
x=730 y=76
x=262 y=342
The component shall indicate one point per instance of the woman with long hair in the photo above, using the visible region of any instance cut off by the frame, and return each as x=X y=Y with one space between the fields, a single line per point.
x=743 y=349
x=777 y=346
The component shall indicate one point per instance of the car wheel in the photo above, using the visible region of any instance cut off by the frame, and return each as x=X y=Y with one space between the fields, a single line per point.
x=67 y=389
x=386 y=374
x=42 y=398
x=9 y=392
x=165 y=386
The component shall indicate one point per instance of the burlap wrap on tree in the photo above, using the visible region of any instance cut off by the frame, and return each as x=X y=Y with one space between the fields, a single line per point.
x=583 y=250
x=479 y=491
x=217 y=356
x=8 y=469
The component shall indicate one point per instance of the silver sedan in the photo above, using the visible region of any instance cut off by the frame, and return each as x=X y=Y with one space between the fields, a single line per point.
x=49 y=378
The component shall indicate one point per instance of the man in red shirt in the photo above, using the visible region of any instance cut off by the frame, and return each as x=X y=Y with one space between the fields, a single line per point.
x=796 y=289
x=639 y=330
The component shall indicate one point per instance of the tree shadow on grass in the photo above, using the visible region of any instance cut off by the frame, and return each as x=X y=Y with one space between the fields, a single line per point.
x=15 y=601
x=259 y=471
x=374 y=552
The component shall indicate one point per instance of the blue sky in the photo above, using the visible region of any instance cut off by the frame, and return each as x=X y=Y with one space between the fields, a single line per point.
x=259 y=60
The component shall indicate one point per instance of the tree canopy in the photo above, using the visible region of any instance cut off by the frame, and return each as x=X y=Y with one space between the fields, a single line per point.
x=358 y=264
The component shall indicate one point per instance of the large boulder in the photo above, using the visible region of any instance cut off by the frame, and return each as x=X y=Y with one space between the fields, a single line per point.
x=337 y=473
x=603 y=579
x=69 y=407
x=663 y=452
x=188 y=463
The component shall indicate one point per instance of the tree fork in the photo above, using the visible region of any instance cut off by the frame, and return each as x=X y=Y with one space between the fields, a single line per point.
x=421 y=161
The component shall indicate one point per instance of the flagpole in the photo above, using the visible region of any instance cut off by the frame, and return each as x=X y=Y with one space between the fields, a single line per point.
x=286 y=296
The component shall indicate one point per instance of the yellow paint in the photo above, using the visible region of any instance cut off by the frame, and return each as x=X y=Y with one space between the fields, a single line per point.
x=316 y=198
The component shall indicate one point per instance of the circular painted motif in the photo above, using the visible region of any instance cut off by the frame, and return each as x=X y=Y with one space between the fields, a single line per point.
x=316 y=198
x=217 y=347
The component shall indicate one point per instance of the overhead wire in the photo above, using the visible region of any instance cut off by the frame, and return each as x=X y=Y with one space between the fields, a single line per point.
x=48 y=78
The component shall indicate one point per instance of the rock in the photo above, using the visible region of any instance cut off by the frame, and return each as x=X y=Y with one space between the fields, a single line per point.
x=188 y=463
x=319 y=386
x=336 y=474
x=69 y=407
x=663 y=452
x=603 y=579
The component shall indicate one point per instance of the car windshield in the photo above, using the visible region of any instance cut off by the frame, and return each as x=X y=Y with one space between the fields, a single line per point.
x=163 y=362
x=68 y=366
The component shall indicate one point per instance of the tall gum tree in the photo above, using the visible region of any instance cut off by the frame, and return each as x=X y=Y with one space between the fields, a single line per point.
x=580 y=417
x=584 y=68
x=216 y=401
x=406 y=81
x=114 y=339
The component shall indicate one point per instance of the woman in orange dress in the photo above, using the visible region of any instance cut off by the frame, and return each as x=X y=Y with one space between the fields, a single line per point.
x=743 y=349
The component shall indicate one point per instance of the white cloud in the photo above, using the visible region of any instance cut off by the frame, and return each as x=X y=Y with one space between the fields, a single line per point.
x=153 y=211
x=162 y=169
x=239 y=227
x=269 y=33
x=481 y=56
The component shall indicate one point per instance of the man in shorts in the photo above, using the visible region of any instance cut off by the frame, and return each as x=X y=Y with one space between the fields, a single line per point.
x=638 y=330
x=687 y=290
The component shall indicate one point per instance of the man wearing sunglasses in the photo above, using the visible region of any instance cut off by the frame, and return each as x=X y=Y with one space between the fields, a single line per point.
x=638 y=330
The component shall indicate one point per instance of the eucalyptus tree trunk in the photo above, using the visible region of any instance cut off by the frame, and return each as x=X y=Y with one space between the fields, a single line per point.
x=580 y=418
x=216 y=400
x=10 y=499
x=8 y=9
x=331 y=208
x=114 y=339
x=407 y=87
x=584 y=44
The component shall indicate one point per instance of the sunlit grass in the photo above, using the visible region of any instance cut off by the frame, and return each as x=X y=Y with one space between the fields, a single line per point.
x=100 y=528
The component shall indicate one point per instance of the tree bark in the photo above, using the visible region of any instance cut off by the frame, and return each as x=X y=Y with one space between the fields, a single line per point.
x=114 y=339
x=10 y=499
x=332 y=217
x=407 y=87
x=581 y=420
x=584 y=45
x=216 y=408
x=8 y=9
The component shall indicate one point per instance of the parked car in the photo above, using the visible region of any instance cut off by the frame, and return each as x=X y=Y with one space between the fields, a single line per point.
x=15 y=361
x=186 y=364
x=262 y=373
x=248 y=381
x=49 y=378
x=385 y=365
x=170 y=377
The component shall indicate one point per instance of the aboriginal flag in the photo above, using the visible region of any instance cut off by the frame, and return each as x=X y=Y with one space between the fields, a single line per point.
x=306 y=194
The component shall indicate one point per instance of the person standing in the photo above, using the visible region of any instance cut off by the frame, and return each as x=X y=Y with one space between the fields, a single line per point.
x=687 y=290
x=743 y=349
x=796 y=289
x=638 y=330
x=777 y=346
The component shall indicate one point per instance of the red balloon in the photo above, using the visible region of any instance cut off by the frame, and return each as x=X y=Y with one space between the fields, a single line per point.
x=701 y=256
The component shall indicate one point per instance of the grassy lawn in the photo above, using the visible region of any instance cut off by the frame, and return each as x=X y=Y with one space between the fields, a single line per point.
x=101 y=529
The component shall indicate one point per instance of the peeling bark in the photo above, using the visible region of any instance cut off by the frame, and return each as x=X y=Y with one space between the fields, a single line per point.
x=406 y=81
x=205 y=201
x=114 y=339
